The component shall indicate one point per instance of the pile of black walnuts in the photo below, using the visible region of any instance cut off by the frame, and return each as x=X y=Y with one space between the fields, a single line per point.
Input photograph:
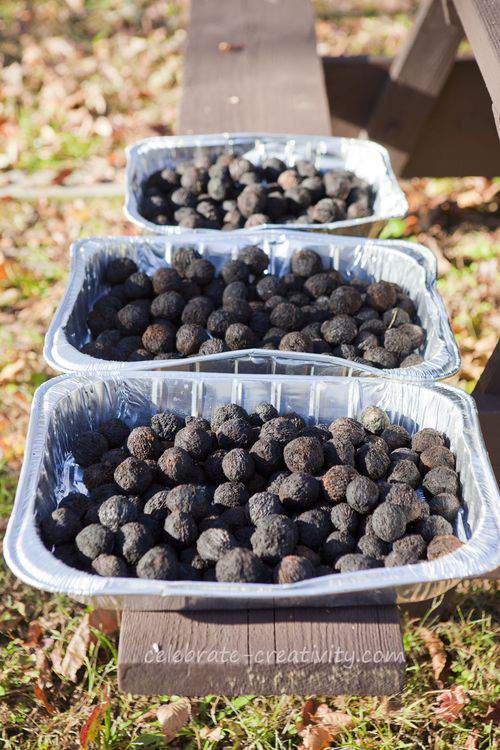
x=230 y=193
x=256 y=497
x=188 y=309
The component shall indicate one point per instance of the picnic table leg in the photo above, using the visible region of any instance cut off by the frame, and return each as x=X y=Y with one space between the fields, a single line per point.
x=487 y=397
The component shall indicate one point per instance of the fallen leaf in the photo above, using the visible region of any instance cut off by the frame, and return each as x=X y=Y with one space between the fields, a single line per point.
x=89 y=730
x=314 y=738
x=471 y=742
x=41 y=696
x=307 y=711
x=322 y=724
x=77 y=650
x=42 y=665
x=174 y=716
x=451 y=703
x=34 y=634
x=105 y=620
x=56 y=658
x=435 y=647
x=12 y=369
x=334 y=720
x=59 y=178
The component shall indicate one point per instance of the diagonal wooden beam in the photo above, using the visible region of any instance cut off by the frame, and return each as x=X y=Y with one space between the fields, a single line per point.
x=416 y=79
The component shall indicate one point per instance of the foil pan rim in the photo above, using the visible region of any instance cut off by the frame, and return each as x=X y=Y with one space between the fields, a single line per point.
x=62 y=356
x=478 y=555
x=134 y=152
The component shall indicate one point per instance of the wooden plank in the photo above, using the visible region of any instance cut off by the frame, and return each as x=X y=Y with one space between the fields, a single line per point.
x=302 y=651
x=272 y=79
x=269 y=79
x=416 y=78
x=446 y=147
x=481 y=23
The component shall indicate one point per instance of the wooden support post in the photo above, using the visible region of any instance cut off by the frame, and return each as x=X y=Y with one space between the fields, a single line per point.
x=250 y=66
x=292 y=651
x=416 y=79
x=487 y=396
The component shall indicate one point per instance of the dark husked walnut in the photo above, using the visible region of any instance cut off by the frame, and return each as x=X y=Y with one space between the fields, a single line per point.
x=190 y=310
x=256 y=497
x=241 y=565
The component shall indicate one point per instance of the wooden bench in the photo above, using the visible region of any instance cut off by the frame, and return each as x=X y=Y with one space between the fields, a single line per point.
x=252 y=66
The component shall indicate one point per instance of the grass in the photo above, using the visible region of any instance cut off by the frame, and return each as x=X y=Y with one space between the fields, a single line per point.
x=466 y=631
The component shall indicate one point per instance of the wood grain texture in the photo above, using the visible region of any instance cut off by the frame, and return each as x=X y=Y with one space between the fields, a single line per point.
x=446 y=146
x=481 y=23
x=416 y=78
x=268 y=79
x=303 y=651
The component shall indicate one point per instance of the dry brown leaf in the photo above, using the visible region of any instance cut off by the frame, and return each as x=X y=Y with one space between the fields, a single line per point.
x=34 y=634
x=77 y=650
x=323 y=724
x=435 y=647
x=174 y=716
x=41 y=696
x=307 y=711
x=315 y=738
x=56 y=658
x=105 y=620
x=13 y=368
x=325 y=716
x=61 y=175
x=451 y=703
x=471 y=742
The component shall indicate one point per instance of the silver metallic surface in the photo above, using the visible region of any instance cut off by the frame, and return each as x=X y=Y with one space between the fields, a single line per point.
x=67 y=405
x=366 y=159
x=411 y=266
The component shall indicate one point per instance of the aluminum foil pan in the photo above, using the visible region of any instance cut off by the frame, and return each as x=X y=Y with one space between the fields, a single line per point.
x=411 y=266
x=366 y=159
x=67 y=405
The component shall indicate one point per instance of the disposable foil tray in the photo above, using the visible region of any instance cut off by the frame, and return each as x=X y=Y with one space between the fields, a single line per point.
x=366 y=159
x=67 y=405
x=411 y=266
